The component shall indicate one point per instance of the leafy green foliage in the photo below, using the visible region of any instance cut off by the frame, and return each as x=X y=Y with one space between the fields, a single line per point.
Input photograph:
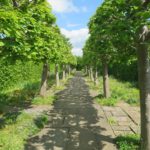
x=80 y=63
x=30 y=33
x=41 y=121
x=124 y=69
x=128 y=142
x=17 y=73
x=25 y=31
x=107 y=101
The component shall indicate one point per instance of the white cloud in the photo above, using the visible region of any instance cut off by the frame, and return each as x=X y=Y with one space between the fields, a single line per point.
x=66 y=6
x=63 y=6
x=77 y=38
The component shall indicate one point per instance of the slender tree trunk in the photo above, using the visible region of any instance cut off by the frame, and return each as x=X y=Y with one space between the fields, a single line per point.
x=49 y=74
x=69 y=70
x=106 y=81
x=95 y=76
x=64 y=72
x=44 y=77
x=86 y=70
x=144 y=85
x=67 y=74
x=15 y=4
x=91 y=73
x=57 y=74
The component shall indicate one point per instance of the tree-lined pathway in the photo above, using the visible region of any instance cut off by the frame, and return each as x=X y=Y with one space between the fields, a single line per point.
x=75 y=122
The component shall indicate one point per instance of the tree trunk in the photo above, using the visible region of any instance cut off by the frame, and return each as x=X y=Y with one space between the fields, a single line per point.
x=15 y=4
x=86 y=70
x=57 y=75
x=95 y=76
x=106 y=81
x=49 y=74
x=91 y=73
x=64 y=72
x=69 y=70
x=144 y=82
x=144 y=85
x=67 y=73
x=44 y=77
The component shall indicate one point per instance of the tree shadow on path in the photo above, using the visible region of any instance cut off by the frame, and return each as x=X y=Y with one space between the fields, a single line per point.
x=75 y=122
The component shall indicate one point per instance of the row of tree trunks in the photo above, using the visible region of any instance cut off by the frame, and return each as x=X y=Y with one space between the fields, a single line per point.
x=94 y=77
x=46 y=75
x=86 y=70
x=66 y=71
x=89 y=71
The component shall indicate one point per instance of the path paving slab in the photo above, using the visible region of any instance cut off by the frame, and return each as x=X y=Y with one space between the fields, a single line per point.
x=133 y=112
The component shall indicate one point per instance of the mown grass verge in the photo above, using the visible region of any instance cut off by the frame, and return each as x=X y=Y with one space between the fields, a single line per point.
x=17 y=130
x=120 y=91
x=44 y=100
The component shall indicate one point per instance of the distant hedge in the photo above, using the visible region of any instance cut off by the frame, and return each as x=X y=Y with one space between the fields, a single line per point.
x=12 y=74
x=124 y=70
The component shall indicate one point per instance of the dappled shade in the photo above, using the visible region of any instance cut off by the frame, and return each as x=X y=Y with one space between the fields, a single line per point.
x=75 y=122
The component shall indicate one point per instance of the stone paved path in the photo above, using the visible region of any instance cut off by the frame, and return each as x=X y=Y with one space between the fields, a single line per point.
x=75 y=123
x=123 y=118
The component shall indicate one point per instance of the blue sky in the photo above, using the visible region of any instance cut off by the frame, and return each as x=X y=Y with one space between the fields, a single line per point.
x=72 y=18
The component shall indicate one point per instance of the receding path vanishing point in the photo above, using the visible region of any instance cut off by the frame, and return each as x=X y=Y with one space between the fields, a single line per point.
x=76 y=122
